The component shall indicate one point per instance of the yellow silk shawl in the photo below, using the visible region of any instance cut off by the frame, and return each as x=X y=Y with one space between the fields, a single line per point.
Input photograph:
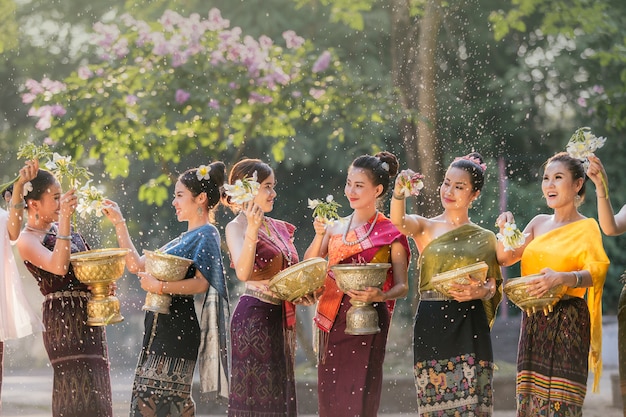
x=574 y=247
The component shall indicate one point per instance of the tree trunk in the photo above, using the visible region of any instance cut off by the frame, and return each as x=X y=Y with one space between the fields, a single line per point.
x=414 y=70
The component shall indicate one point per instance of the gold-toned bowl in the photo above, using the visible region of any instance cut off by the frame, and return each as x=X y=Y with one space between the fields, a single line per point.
x=300 y=279
x=443 y=280
x=362 y=318
x=516 y=289
x=99 y=268
x=360 y=276
x=99 y=265
x=166 y=267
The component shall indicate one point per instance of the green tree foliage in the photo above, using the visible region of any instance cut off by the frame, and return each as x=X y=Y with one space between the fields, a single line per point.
x=8 y=26
x=165 y=89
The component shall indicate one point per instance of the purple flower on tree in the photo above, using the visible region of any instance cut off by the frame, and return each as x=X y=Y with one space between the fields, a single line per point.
x=292 y=40
x=322 y=62
x=182 y=96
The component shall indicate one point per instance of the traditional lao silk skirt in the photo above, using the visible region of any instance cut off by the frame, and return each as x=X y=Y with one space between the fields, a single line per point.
x=164 y=374
x=453 y=359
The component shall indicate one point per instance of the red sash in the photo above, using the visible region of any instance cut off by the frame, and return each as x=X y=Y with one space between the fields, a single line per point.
x=374 y=249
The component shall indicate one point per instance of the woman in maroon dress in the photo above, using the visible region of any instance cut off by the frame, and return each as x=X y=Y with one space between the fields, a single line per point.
x=78 y=352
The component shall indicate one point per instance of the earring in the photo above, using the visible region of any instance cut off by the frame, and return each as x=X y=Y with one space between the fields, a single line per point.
x=37 y=217
x=578 y=200
x=199 y=211
x=471 y=204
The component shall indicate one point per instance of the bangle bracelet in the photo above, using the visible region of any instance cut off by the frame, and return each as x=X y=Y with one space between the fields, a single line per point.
x=18 y=206
x=398 y=196
x=255 y=240
x=606 y=197
x=63 y=237
x=123 y=220
x=579 y=279
x=492 y=290
x=161 y=288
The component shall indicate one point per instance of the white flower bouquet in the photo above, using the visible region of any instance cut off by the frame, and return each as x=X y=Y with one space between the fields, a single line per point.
x=325 y=209
x=243 y=190
x=511 y=237
x=411 y=182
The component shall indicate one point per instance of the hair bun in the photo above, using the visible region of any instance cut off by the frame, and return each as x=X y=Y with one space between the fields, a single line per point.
x=218 y=172
x=391 y=161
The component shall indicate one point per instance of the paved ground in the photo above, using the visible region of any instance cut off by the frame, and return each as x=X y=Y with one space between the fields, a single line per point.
x=26 y=393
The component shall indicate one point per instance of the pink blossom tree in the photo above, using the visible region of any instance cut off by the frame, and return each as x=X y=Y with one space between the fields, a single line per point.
x=162 y=90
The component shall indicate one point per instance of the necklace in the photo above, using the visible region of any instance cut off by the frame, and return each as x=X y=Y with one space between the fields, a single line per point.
x=268 y=233
x=361 y=239
x=50 y=231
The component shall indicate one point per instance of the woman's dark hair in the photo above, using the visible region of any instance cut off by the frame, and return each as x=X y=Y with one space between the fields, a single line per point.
x=574 y=166
x=8 y=190
x=380 y=168
x=211 y=186
x=246 y=169
x=474 y=164
x=41 y=183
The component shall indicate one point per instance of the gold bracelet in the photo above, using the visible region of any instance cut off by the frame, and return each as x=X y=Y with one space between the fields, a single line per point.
x=123 y=220
x=398 y=197
x=491 y=288
x=606 y=197
x=64 y=237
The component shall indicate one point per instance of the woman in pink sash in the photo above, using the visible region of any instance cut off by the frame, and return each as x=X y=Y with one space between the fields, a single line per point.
x=262 y=328
x=350 y=369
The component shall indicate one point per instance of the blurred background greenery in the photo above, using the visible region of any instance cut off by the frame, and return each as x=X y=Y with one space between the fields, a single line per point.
x=425 y=79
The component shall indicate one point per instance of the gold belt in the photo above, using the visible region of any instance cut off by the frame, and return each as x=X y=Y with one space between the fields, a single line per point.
x=62 y=294
x=262 y=296
x=432 y=295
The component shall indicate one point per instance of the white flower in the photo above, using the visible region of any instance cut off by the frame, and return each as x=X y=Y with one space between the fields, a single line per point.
x=243 y=190
x=58 y=162
x=28 y=187
x=411 y=182
x=325 y=210
x=385 y=166
x=313 y=203
x=511 y=237
x=203 y=172
x=583 y=144
x=90 y=200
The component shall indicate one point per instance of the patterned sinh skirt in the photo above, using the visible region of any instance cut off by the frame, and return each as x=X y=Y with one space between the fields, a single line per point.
x=453 y=359
x=164 y=374
x=260 y=383
x=78 y=354
x=552 y=361
x=350 y=375
x=621 y=341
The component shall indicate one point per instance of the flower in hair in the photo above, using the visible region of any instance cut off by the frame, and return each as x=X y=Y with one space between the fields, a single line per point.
x=473 y=159
x=28 y=187
x=203 y=172
x=385 y=166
